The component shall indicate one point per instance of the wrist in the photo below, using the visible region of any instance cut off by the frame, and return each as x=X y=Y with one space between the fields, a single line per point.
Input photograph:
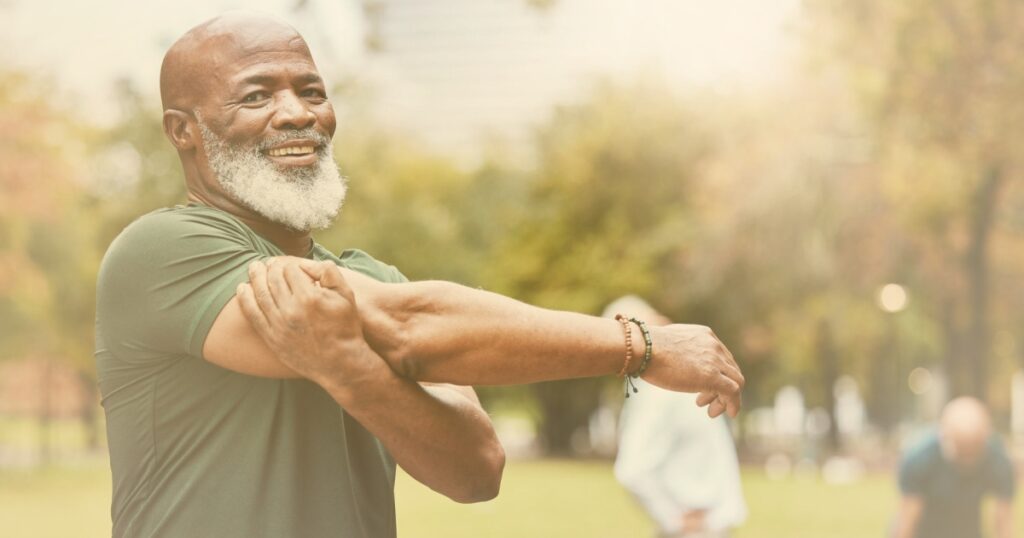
x=359 y=374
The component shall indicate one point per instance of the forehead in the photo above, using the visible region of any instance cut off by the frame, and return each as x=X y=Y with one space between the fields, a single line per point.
x=239 y=57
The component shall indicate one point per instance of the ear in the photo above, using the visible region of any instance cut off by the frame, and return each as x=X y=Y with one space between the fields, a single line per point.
x=180 y=129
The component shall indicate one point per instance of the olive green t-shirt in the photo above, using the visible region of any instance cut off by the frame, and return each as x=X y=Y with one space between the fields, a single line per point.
x=200 y=451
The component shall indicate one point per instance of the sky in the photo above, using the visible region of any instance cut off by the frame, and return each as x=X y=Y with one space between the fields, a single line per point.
x=469 y=65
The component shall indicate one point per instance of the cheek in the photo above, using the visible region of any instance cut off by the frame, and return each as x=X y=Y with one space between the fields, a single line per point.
x=246 y=126
x=326 y=118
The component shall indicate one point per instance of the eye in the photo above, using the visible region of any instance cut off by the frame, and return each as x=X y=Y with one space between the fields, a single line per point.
x=255 y=97
x=314 y=93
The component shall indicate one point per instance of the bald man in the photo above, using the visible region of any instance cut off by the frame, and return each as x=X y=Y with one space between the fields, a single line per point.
x=256 y=384
x=946 y=476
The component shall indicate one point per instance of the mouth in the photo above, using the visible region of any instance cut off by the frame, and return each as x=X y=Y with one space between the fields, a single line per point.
x=293 y=153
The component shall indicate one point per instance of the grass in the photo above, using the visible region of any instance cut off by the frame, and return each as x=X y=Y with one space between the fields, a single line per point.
x=546 y=498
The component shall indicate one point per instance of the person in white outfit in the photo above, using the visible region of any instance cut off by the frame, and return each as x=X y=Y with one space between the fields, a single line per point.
x=676 y=461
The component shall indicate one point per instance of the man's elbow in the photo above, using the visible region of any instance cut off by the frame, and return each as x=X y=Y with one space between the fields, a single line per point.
x=484 y=480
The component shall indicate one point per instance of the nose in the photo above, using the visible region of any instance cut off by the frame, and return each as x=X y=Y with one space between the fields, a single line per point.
x=292 y=112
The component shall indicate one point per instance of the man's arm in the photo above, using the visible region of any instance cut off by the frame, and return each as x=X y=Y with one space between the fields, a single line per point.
x=1003 y=517
x=438 y=433
x=908 y=517
x=444 y=332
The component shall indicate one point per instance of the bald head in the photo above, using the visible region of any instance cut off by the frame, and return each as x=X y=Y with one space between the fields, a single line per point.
x=965 y=427
x=196 y=60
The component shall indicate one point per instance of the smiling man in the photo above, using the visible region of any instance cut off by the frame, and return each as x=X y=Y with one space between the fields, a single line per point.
x=249 y=399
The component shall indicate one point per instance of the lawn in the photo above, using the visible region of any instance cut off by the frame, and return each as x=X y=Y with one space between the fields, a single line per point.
x=538 y=499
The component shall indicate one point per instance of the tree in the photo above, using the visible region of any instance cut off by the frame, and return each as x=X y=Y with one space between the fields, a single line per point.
x=608 y=205
x=939 y=83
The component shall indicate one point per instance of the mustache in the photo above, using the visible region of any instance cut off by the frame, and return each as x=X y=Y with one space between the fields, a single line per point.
x=322 y=141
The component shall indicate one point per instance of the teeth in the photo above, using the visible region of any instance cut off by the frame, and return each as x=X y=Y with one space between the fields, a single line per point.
x=299 y=150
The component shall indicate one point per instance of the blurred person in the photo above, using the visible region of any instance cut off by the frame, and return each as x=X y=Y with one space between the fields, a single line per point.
x=679 y=464
x=944 y=478
x=256 y=384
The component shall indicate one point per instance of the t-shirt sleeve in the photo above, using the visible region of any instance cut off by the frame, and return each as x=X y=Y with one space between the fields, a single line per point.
x=913 y=474
x=1003 y=478
x=165 y=279
x=360 y=261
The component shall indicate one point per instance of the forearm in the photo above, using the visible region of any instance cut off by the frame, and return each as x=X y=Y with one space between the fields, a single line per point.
x=908 y=517
x=438 y=434
x=1004 y=519
x=439 y=331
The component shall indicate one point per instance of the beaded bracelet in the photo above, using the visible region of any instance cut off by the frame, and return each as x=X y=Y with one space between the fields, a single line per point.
x=629 y=343
x=647 y=347
x=624 y=373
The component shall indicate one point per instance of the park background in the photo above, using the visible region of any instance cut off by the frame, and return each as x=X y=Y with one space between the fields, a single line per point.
x=835 y=186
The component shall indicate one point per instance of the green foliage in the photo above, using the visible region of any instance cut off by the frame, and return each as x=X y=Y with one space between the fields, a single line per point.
x=939 y=84
x=46 y=238
x=608 y=203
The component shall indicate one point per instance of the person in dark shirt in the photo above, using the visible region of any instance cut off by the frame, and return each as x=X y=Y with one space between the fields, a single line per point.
x=944 y=478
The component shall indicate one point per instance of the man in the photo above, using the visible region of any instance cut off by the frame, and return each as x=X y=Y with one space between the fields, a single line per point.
x=679 y=464
x=251 y=399
x=944 y=478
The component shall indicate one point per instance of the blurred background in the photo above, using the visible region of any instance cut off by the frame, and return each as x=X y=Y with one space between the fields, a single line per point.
x=833 y=185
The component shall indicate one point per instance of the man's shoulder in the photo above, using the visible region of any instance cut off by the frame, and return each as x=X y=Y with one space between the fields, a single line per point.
x=925 y=451
x=162 y=227
x=171 y=220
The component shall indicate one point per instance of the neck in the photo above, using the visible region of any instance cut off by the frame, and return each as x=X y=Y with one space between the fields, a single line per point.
x=291 y=242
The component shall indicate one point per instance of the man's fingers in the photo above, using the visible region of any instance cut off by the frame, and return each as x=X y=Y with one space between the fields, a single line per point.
x=279 y=288
x=729 y=395
x=704 y=398
x=716 y=408
x=301 y=284
x=327 y=273
x=258 y=281
x=733 y=373
x=251 y=310
x=330 y=277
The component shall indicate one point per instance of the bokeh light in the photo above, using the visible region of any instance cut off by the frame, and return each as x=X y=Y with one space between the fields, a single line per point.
x=920 y=381
x=893 y=298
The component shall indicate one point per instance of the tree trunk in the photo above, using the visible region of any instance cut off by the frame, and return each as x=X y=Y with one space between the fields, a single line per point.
x=46 y=413
x=826 y=352
x=87 y=414
x=565 y=407
x=882 y=400
x=952 y=359
x=976 y=264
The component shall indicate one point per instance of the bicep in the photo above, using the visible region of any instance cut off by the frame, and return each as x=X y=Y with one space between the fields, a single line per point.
x=233 y=344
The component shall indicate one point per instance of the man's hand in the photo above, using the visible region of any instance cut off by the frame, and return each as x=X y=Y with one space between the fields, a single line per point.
x=690 y=358
x=312 y=327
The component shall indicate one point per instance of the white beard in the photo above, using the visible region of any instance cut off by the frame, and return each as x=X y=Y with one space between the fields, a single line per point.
x=303 y=199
